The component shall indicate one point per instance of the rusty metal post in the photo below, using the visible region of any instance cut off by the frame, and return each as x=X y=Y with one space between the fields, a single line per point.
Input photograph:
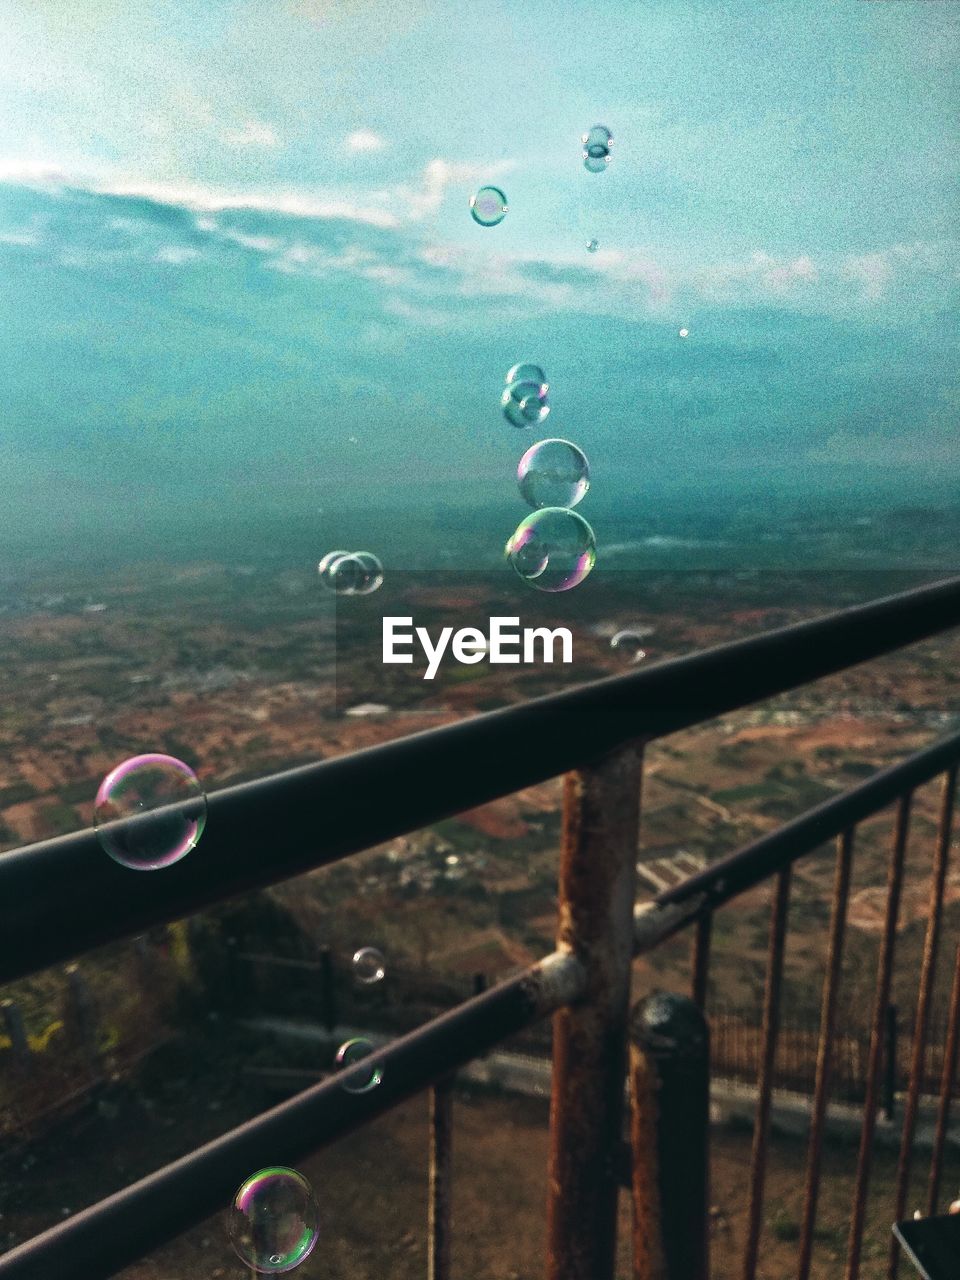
x=891 y=1034
x=441 y=1179
x=669 y=1133
x=901 y=831
x=828 y=1018
x=947 y=1080
x=597 y=890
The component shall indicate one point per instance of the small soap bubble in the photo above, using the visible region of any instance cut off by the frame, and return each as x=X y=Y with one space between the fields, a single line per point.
x=347 y=573
x=596 y=164
x=323 y=568
x=526 y=373
x=593 y=246
x=626 y=644
x=597 y=141
x=369 y=965
x=525 y=403
x=553 y=550
x=149 y=812
x=274 y=1221
x=553 y=473
x=489 y=206
x=534 y=409
x=357 y=1059
x=373 y=570
x=684 y=333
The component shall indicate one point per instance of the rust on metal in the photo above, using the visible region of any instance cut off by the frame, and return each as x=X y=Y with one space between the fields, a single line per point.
x=441 y=1179
x=938 y=880
x=669 y=1135
x=701 y=959
x=881 y=1000
x=597 y=890
x=946 y=1089
x=828 y=1014
x=771 y=1026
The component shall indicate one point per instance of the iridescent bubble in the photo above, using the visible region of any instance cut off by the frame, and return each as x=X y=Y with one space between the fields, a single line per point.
x=684 y=333
x=489 y=206
x=323 y=568
x=526 y=373
x=593 y=246
x=373 y=570
x=149 y=812
x=362 y=1069
x=627 y=645
x=358 y=573
x=369 y=965
x=596 y=164
x=274 y=1221
x=553 y=473
x=597 y=142
x=525 y=403
x=553 y=550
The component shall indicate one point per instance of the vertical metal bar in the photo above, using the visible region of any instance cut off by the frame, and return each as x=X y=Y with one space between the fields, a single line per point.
x=881 y=1000
x=669 y=1134
x=441 y=1179
x=597 y=891
x=891 y=1035
x=701 y=959
x=946 y=1089
x=938 y=880
x=771 y=1025
x=828 y=1016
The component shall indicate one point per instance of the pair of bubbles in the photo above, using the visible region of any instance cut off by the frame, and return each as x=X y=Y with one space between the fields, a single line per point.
x=489 y=207
x=351 y=573
x=555 y=548
x=274 y=1220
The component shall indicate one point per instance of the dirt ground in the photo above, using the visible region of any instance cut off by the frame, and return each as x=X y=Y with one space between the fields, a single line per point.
x=371 y=1191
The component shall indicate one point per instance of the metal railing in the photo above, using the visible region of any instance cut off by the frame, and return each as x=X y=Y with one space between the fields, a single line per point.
x=51 y=908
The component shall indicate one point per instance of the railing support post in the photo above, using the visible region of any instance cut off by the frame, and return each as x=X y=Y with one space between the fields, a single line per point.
x=441 y=1179
x=597 y=890
x=669 y=1134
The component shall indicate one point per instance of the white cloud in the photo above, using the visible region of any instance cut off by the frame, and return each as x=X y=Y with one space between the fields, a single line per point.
x=365 y=140
x=177 y=253
x=252 y=133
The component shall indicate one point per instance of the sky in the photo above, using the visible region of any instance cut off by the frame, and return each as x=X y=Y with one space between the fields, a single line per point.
x=237 y=265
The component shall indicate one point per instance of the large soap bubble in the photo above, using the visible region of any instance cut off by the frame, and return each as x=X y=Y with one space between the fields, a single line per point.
x=149 y=812
x=274 y=1221
x=553 y=473
x=553 y=550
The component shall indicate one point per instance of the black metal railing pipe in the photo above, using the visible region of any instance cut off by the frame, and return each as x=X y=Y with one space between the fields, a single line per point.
x=110 y=1235
x=65 y=896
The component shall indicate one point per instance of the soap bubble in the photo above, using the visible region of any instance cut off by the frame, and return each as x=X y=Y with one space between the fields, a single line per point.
x=149 y=812
x=593 y=246
x=553 y=473
x=597 y=142
x=323 y=568
x=349 y=573
x=274 y=1220
x=554 y=549
x=684 y=333
x=489 y=206
x=525 y=403
x=627 y=645
x=596 y=164
x=369 y=965
x=373 y=570
x=526 y=373
x=359 y=1078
